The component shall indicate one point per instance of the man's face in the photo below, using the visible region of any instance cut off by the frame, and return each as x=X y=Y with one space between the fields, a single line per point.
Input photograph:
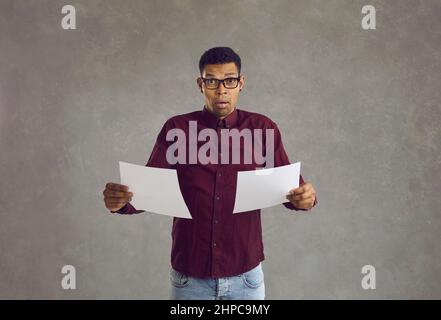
x=221 y=101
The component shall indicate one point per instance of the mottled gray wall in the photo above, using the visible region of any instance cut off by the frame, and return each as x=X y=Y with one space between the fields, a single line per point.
x=360 y=109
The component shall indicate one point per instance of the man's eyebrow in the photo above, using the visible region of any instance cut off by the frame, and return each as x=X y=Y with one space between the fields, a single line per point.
x=227 y=74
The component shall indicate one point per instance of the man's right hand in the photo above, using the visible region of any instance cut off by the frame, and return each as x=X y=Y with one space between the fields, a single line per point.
x=116 y=196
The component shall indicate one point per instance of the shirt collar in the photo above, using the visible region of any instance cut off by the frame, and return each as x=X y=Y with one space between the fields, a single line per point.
x=213 y=121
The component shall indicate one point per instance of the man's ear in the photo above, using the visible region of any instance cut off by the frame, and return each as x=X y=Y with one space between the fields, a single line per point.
x=199 y=82
x=241 y=82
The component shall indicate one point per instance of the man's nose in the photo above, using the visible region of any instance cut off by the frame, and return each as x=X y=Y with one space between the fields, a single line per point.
x=221 y=88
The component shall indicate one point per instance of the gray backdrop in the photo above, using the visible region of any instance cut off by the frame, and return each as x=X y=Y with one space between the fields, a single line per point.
x=360 y=109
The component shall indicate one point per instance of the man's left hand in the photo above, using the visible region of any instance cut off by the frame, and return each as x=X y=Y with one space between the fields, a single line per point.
x=302 y=197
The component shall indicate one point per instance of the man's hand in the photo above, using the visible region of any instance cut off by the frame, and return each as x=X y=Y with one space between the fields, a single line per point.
x=116 y=196
x=302 y=197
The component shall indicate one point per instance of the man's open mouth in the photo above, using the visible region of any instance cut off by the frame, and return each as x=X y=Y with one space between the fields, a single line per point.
x=221 y=103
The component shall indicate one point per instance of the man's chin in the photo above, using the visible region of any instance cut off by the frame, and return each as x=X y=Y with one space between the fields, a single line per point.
x=222 y=112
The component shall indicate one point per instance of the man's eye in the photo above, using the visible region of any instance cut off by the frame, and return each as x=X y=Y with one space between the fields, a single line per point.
x=211 y=81
x=230 y=80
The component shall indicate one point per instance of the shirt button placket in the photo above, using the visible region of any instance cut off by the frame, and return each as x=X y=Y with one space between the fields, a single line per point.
x=216 y=212
x=217 y=208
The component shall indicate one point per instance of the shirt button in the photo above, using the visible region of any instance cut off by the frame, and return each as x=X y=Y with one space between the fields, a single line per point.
x=217 y=198
x=214 y=244
x=215 y=221
x=220 y=174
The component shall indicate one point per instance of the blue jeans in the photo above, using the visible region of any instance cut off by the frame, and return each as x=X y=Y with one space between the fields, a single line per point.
x=246 y=286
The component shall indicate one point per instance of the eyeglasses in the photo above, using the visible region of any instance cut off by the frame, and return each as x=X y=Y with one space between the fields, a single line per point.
x=229 y=83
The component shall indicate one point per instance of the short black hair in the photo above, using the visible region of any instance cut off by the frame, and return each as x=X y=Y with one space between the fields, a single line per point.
x=219 y=55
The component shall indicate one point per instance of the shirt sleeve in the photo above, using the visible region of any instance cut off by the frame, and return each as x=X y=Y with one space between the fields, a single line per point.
x=281 y=159
x=157 y=159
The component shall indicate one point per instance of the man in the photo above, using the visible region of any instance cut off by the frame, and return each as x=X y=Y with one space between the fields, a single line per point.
x=217 y=254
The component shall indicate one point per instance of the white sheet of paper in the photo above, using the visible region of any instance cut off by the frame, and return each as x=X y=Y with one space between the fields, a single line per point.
x=154 y=189
x=263 y=188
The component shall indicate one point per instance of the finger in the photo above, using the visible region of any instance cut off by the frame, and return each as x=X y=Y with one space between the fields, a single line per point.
x=304 y=188
x=302 y=196
x=115 y=207
x=117 y=187
x=122 y=187
x=111 y=193
x=299 y=190
x=298 y=202
x=116 y=204
x=306 y=203
x=118 y=198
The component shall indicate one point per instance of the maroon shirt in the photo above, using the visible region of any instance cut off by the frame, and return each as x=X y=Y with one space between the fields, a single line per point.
x=216 y=242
